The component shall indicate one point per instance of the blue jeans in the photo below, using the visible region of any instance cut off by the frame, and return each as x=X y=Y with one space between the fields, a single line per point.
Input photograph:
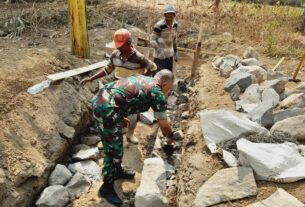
x=166 y=63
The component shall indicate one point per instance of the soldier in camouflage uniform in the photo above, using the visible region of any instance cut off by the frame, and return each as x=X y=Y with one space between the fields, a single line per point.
x=114 y=102
x=123 y=62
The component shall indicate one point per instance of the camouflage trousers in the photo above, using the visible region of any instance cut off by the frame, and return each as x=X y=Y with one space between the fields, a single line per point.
x=108 y=121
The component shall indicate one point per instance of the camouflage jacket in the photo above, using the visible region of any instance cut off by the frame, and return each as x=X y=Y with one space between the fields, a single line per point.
x=132 y=95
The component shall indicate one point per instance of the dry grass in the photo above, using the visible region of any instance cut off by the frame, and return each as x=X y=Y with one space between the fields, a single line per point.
x=273 y=27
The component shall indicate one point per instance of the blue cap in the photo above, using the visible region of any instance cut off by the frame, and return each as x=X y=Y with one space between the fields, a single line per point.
x=169 y=9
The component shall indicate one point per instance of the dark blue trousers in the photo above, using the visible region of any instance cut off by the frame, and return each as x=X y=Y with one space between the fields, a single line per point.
x=166 y=63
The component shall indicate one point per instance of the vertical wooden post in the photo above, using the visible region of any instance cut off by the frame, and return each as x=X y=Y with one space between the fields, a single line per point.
x=78 y=28
x=298 y=68
x=196 y=53
x=149 y=26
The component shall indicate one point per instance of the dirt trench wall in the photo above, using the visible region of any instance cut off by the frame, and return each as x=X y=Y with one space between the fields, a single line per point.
x=34 y=139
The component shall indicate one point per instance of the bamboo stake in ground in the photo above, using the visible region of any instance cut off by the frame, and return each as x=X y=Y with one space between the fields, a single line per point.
x=197 y=53
x=298 y=68
x=78 y=28
x=278 y=64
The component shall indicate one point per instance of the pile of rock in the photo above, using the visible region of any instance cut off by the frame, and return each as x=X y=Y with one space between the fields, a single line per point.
x=259 y=92
x=261 y=102
x=67 y=183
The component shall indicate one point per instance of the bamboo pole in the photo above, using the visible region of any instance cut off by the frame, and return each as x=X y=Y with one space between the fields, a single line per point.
x=78 y=28
x=196 y=53
x=278 y=64
x=298 y=68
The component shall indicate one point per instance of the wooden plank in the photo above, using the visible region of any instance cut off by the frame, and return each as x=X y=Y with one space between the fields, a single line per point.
x=278 y=64
x=77 y=71
x=185 y=49
x=197 y=52
x=298 y=68
x=78 y=28
x=182 y=49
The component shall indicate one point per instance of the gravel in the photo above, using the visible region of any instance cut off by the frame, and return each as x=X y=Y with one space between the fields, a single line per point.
x=277 y=137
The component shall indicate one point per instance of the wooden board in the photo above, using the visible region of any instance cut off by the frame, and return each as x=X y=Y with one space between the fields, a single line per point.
x=77 y=71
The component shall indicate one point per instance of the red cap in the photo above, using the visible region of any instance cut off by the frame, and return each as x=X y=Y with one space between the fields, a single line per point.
x=120 y=37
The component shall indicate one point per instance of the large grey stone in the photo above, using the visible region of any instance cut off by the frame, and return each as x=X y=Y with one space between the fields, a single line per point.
x=53 y=196
x=88 y=168
x=226 y=64
x=277 y=85
x=252 y=93
x=77 y=185
x=65 y=131
x=60 y=175
x=90 y=140
x=80 y=147
x=235 y=93
x=250 y=52
x=262 y=114
x=258 y=74
x=294 y=126
x=280 y=198
x=299 y=89
x=270 y=97
x=151 y=192
x=250 y=99
x=232 y=60
x=244 y=106
x=249 y=62
x=87 y=154
x=169 y=170
x=227 y=184
x=220 y=126
x=225 y=69
x=243 y=80
x=217 y=62
x=294 y=100
x=287 y=113
x=272 y=161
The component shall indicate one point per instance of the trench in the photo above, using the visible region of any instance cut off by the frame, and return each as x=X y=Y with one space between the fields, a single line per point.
x=134 y=155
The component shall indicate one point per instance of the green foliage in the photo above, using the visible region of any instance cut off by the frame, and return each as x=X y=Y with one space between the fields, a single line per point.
x=270 y=39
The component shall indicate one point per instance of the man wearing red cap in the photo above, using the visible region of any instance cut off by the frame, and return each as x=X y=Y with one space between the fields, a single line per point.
x=123 y=62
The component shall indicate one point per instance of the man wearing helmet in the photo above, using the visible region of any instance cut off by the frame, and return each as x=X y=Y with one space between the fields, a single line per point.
x=123 y=62
x=163 y=39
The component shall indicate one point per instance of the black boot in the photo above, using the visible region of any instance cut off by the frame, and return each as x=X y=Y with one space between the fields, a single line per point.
x=124 y=173
x=107 y=191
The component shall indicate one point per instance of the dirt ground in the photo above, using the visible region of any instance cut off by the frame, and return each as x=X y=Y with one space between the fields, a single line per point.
x=30 y=143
